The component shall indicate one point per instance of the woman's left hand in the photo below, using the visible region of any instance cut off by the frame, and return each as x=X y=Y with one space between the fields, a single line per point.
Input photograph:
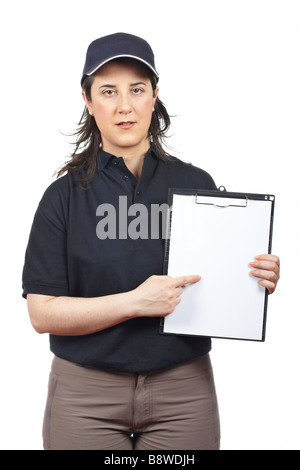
x=267 y=268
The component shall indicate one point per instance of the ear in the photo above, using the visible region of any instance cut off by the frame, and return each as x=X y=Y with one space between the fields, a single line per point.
x=155 y=95
x=87 y=103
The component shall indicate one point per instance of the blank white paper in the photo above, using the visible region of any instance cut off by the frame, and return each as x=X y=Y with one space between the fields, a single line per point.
x=218 y=243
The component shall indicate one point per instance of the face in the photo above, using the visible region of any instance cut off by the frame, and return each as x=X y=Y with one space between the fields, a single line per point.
x=122 y=102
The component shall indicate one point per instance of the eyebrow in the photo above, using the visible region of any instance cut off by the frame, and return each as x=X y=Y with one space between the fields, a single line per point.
x=108 y=85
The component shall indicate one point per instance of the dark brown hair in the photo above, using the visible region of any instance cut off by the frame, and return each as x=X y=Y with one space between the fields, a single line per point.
x=88 y=136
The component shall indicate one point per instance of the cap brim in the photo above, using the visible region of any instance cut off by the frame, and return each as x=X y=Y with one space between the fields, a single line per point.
x=118 y=57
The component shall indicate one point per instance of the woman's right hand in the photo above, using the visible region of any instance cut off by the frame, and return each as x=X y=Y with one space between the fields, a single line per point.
x=76 y=316
x=159 y=295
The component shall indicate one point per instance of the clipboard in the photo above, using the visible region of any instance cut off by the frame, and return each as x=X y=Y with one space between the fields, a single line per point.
x=216 y=234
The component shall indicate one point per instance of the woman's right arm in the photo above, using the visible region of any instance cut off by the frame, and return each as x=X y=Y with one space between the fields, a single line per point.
x=73 y=316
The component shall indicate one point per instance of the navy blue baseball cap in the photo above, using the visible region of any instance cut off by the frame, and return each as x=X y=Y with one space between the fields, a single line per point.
x=114 y=46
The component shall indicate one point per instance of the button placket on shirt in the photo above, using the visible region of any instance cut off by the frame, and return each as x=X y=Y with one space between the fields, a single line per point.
x=133 y=187
x=128 y=178
x=122 y=168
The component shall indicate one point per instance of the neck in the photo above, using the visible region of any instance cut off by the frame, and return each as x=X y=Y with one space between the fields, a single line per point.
x=132 y=156
x=135 y=165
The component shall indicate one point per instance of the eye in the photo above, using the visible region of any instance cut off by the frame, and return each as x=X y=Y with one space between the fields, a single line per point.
x=137 y=91
x=109 y=92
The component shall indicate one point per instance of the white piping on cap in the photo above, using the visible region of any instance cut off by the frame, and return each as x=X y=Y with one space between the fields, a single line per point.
x=119 y=56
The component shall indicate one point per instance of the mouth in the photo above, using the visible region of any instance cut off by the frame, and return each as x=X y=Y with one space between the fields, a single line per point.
x=126 y=124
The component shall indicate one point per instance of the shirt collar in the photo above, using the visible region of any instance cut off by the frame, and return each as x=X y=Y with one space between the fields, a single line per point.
x=155 y=152
x=104 y=157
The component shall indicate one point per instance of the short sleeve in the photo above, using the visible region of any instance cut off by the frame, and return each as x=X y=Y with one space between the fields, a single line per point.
x=209 y=182
x=45 y=268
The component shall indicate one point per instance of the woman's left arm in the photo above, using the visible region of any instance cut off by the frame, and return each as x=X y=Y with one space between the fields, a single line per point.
x=267 y=268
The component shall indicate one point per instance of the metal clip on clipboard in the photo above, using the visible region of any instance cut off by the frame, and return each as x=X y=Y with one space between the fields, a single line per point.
x=243 y=203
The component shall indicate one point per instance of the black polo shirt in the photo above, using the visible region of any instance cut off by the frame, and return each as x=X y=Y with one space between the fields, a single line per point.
x=68 y=255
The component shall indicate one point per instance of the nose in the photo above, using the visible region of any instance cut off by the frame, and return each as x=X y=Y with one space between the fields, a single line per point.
x=124 y=104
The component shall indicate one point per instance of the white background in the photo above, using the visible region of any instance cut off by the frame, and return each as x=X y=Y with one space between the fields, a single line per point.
x=230 y=71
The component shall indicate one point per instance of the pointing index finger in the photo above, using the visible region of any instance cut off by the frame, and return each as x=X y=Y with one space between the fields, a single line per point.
x=183 y=280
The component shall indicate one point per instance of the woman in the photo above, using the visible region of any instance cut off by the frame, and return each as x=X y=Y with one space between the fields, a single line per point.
x=93 y=275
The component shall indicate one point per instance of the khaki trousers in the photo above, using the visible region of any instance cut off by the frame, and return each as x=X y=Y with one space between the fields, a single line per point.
x=89 y=409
